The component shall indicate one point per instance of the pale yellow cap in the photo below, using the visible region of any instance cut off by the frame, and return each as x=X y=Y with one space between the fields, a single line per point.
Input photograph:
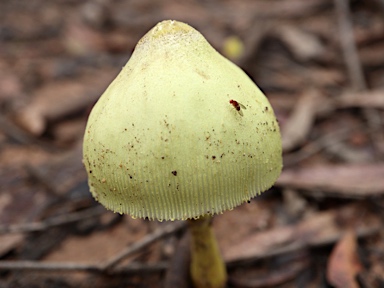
x=164 y=141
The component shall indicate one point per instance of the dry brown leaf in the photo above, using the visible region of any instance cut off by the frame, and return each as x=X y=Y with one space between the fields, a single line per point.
x=94 y=248
x=304 y=45
x=319 y=229
x=343 y=264
x=296 y=129
x=10 y=242
x=57 y=99
x=354 y=180
x=273 y=278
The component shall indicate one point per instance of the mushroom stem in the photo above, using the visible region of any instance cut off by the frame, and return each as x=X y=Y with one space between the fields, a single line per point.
x=207 y=266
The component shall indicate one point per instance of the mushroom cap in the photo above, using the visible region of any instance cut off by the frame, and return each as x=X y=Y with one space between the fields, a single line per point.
x=164 y=141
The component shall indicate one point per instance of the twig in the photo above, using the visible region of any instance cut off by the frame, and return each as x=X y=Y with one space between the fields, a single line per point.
x=348 y=45
x=147 y=267
x=54 y=221
x=318 y=145
x=108 y=267
x=76 y=267
x=355 y=69
x=147 y=240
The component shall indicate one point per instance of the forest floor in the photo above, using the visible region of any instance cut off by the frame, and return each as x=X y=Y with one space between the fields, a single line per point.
x=321 y=65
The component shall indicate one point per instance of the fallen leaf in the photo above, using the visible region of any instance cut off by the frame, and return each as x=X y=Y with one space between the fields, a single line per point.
x=353 y=180
x=298 y=126
x=273 y=278
x=10 y=242
x=304 y=45
x=318 y=229
x=98 y=246
x=58 y=99
x=343 y=264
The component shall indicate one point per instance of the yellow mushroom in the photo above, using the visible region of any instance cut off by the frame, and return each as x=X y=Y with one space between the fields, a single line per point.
x=181 y=132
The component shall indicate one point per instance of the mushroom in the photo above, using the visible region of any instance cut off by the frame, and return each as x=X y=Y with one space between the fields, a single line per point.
x=182 y=133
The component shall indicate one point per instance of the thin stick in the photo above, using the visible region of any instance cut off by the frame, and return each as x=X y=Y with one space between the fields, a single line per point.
x=77 y=267
x=323 y=142
x=355 y=69
x=352 y=61
x=72 y=267
x=146 y=241
x=156 y=267
x=54 y=221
